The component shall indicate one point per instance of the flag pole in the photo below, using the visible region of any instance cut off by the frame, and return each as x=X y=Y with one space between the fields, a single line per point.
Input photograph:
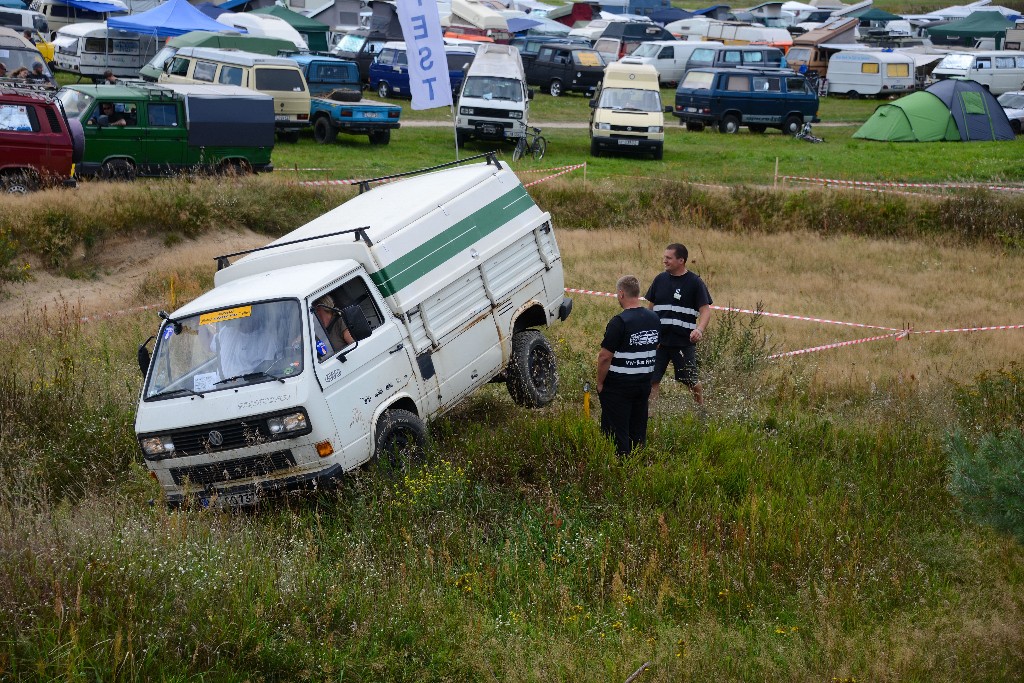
x=455 y=129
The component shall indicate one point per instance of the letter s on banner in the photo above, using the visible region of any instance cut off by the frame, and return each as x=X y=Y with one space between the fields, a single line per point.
x=428 y=66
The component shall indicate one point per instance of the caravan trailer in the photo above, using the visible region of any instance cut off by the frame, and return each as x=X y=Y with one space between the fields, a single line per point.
x=870 y=74
x=91 y=48
x=59 y=13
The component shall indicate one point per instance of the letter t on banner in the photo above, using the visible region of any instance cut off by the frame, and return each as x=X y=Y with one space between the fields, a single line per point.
x=428 y=65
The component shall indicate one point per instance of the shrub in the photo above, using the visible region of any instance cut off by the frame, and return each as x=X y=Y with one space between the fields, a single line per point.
x=989 y=479
x=10 y=271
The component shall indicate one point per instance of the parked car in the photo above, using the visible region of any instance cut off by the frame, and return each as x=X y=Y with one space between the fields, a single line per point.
x=443 y=282
x=325 y=75
x=494 y=103
x=17 y=52
x=361 y=46
x=999 y=71
x=40 y=144
x=330 y=116
x=1013 y=104
x=389 y=73
x=560 y=68
x=620 y=38
x=237 y=41
x=160 y=130
x=529 y=46
x=756 y=98
x=669 y=57
x=627 y=115
x=278 y=77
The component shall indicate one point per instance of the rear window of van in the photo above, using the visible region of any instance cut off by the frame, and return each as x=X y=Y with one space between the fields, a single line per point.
x=279 y=80
x=697 y=79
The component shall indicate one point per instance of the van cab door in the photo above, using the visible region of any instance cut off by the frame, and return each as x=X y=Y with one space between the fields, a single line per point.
x=115 y=140
x=165 y=136
x=357 y=378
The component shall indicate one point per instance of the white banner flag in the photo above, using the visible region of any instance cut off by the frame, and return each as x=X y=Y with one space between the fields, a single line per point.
x=428 y=66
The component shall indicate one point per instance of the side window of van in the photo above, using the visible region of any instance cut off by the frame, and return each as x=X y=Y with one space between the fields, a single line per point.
x=229 y=75
x=401 y=58
x=755 y=57
x=57 y=10
x=738 y=84
x=179 y=67
x=667 y=53
x=702 y=55
x=386 y=57
x=796 y=85
x=162 y=115
x=204 y=71
x=545 y=54
x=984 y=63
x=767 y=84
x=1020 y=62
x=732 y=57
x=328 y=327
x=1004 y=62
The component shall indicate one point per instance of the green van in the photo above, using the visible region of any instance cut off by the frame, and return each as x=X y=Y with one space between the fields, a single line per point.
x=160 y=130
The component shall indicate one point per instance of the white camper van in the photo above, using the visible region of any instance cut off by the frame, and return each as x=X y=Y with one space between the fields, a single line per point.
x=669 y=57
x=88 y=49
x=870 y=74
x=59 y=13
x=999 y=70
x=494 y=103
x=335 y=344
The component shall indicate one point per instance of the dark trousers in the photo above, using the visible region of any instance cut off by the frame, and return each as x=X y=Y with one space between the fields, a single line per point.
x=624 y=414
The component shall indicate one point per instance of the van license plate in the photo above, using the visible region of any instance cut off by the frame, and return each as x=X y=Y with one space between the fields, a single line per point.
x=229 y=500
x=488 y=130
x=371 y=114
x=282 y=117
x=633 y=143
x=690 y=110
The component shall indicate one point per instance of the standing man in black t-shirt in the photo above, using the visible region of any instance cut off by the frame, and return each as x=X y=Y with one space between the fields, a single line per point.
x=624 y=367
x=683 y=303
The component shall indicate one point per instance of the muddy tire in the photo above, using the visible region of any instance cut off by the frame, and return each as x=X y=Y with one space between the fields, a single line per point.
x=532 y=373
x=399 y=440
x=324 y=132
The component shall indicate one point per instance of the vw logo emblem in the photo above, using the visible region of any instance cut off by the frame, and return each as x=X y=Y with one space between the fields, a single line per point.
x=629 y=128
x=216 y=438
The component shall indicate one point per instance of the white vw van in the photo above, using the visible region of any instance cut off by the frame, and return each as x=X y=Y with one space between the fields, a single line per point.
x=435 y=285
x=627 y=112
x=999 y=71
x=669 y=57
x=494 y=103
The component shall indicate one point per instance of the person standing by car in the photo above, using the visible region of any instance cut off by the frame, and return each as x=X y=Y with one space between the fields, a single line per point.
x=625 y=365
x=683 y=303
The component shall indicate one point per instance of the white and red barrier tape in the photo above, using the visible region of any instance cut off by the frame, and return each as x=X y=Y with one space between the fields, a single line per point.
x=924 y=186
x=895 y=333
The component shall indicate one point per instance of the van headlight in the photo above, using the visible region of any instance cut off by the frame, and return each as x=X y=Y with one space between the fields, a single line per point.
x=157 y=447
x=654 y=129
x=283 y=424
x=466 y=111
x=515 y=114
x=603 y=126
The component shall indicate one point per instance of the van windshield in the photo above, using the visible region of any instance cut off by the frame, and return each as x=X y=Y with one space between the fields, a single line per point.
x=493 y=88
x=956 y=62
x=698 y=79
x=798 y=55
x=1012 y=100
x=631 y=99
x=226 y=349
x=350 y=43
x=161 y=57
x=74 y=102
x=646 y=50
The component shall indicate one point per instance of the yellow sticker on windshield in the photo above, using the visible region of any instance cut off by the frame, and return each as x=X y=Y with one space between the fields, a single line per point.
x=227 y=314
x=588 y=59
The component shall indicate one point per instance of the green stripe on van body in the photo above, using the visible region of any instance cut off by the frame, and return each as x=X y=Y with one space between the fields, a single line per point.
x=439 y=249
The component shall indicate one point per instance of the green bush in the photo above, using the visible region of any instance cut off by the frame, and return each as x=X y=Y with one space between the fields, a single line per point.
x=994 y=403
x=988 y=478
x=10 y=270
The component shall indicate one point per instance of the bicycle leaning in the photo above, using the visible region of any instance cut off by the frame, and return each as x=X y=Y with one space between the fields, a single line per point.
x=533 y=143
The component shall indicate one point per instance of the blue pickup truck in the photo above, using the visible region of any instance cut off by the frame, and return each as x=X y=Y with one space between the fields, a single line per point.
x=338 y=105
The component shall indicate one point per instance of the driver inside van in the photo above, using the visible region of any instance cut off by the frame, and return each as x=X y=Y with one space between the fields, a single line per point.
x=331 y=323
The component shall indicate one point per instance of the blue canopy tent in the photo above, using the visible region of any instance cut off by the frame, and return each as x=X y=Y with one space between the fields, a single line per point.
x=102 y=6
x=667 y=16
x=211 y=10
x=172 y=18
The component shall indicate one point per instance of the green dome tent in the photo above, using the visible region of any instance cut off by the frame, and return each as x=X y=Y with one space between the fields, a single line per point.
x=950 y=110
x=918 y=117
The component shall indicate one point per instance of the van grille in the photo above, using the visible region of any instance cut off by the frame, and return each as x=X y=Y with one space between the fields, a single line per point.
x=492 y=113
x=635 y=130
x=235 y=435
x=234 y=470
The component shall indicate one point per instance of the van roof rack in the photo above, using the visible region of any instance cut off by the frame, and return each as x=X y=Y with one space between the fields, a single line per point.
x=19 y=87
x=360 y=233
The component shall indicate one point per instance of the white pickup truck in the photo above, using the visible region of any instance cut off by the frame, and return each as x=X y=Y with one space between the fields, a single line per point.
x=442 y=281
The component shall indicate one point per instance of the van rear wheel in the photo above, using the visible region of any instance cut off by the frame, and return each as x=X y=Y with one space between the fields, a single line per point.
x=324 y=132
x=532 y=373
x=117 y=169
x=399 y=439
x=729 y=124
x=380 y=137
x=694 y=126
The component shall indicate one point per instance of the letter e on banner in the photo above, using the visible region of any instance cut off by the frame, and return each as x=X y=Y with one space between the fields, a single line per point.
x=428 y=66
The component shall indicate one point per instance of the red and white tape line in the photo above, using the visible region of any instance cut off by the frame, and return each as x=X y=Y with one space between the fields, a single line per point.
x=568 y=169
x=824 y=347
x=928 y=186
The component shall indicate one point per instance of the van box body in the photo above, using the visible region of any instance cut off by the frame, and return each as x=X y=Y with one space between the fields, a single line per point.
x=448 y=268
x=172 y=129
x=669 y=57
x=90 y=48
x=494 y=103
x=626 y=113
x=870 y=74
x=278 y=77
x=259 y=44
x=998 y=70
x=757 y=98
x=736 y=56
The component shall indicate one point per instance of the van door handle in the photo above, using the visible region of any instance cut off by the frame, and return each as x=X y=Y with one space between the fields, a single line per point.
x=396 y=349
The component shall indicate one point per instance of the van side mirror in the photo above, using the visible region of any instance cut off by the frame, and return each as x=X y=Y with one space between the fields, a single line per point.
x=356 y=322
x=143 y=356
x=593 y=103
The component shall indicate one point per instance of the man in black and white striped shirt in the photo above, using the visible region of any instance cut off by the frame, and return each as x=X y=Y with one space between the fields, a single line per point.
x=683 y=303
x=624 y=368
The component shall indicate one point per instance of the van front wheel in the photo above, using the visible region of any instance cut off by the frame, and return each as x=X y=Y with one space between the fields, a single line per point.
x=555 y=88
x=399 y=439
x=729 y=124
x=532 y=373
x=792 y=125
